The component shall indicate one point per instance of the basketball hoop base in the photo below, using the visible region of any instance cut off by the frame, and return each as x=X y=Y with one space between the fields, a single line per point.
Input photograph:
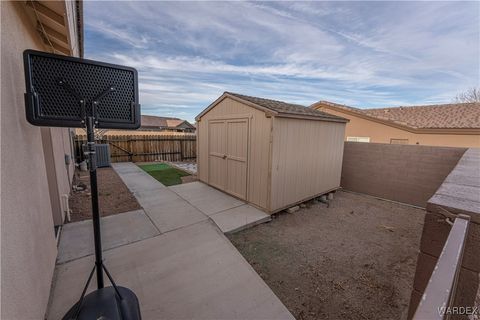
x=105 y=303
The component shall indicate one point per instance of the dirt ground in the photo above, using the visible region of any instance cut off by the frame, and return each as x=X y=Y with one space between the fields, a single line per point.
x=353 y=260
x=114 y=196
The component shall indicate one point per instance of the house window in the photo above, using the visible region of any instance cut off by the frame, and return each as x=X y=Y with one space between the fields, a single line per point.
x=398 y=141
x=358 y=139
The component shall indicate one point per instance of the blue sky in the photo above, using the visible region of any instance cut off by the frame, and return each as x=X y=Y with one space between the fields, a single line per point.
x=365 y=54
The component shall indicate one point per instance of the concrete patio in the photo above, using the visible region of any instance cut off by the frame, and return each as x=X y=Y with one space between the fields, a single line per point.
x=172 y=254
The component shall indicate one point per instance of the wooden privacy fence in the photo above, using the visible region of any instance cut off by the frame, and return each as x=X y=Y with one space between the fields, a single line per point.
x=137 y=148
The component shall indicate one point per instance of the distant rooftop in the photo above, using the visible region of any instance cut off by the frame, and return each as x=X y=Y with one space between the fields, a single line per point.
x=438 y=116
x=161 y=122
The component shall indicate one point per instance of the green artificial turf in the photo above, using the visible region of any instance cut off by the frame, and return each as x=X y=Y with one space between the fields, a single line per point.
x=164 y=173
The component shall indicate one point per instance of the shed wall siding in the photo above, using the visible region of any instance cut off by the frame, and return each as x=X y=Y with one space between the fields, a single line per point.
x=259 y=146
x=306 y=159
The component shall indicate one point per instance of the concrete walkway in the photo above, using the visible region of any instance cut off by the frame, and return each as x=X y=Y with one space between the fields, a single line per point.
x=171 y=254
x=185 y=204
x=77 y=238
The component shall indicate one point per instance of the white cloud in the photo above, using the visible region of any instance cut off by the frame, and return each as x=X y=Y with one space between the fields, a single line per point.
x=360 y=53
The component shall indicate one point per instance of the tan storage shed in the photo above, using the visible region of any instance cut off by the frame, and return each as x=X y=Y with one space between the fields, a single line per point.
x=270 y=153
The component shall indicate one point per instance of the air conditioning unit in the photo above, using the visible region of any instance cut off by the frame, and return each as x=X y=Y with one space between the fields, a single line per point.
x=102 y=152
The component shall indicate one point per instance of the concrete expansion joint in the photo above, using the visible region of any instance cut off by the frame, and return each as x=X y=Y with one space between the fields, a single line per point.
x=221 y=211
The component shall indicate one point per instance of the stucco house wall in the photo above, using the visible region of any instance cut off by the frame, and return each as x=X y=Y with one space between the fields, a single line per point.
x=57 y=146
x=381 y=133
x=28 y=244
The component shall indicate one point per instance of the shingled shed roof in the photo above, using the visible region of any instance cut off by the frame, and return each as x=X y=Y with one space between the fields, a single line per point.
x=278 y=108
x=439 y=116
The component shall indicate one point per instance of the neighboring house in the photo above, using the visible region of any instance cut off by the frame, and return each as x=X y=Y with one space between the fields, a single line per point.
x=452 y=125
x=150 y=125
x=36 y=165
x=154 y=123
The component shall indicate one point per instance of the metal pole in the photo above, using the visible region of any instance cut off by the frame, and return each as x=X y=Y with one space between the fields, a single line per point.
x=94 y=192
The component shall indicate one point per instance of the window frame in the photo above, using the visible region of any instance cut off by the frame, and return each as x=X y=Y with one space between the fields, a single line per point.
x=358 y=139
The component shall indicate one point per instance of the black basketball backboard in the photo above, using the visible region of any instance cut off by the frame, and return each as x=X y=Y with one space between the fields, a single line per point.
x=61 y=91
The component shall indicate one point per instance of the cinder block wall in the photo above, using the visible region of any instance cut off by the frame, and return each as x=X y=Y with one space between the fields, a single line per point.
x=405 y=173
x=458 y=194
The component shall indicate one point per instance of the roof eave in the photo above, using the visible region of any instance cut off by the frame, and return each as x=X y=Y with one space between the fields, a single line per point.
x=60 y=26
x=462 y=131
x=307 y=117
x=227 y=95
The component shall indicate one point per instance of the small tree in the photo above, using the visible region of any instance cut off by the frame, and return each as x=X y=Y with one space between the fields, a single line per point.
x=470 y=95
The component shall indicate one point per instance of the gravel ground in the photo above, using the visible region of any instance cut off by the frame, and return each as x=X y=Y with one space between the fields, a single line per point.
x=114 y=196
x=353 y=260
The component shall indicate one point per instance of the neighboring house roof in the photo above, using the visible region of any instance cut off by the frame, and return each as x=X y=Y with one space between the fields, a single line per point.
x=440 y=116
x=174 y=122
x=164 y=122
x=277 y=108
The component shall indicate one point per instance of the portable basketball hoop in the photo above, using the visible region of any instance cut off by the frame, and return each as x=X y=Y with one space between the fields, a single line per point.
x=71 y=92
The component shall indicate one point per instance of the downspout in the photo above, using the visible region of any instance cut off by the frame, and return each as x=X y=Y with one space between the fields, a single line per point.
x=79 y=7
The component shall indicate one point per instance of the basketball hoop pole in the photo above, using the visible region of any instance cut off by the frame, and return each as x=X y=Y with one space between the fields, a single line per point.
x=92 y=157
x=94 y=192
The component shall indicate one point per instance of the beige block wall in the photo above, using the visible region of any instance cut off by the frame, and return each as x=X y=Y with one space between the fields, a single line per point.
x=380 y=133
x=404 y=173
x=458 y=194
x=28 y=247
x=306 y=159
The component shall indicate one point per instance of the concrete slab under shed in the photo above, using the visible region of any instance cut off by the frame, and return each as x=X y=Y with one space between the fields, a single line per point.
x=239 y=218
x=205 y=198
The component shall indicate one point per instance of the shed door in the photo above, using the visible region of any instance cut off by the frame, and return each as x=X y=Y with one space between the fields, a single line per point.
x=237 y=149
x=228 y=144
x=217 y=166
